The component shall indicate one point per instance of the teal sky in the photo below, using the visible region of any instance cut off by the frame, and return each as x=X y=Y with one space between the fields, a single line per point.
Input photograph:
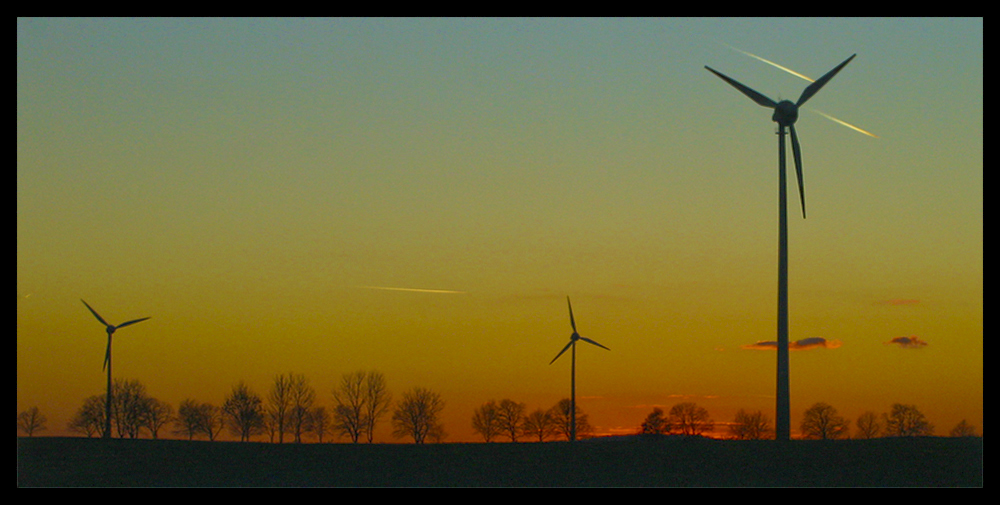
x=246 y=182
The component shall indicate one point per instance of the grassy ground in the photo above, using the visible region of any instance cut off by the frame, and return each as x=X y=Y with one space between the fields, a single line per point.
x=665 y=461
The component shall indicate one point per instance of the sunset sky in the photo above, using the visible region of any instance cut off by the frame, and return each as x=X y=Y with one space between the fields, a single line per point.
x=252 y=184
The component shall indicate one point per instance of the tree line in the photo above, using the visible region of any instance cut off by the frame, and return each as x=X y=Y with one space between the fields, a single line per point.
x=362 y=399
x=510 y=419
x=821 y=421
x=289 y=411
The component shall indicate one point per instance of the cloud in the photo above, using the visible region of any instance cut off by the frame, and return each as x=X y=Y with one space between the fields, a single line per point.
x=911 y=342
x=798 y=345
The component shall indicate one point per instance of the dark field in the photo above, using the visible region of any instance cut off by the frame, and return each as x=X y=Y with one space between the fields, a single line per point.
x=629 y=461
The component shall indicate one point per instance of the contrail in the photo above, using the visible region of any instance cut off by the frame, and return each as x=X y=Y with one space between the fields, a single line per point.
x=831 y=118
x=769 y=62
x=790 y=71
x=414 y=290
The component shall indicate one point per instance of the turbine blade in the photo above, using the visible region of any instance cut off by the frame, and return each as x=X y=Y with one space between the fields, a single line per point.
x=131 y=322
x=585 y=339
x=561 y=352
x=814 y=87
x=761 y=100
x=571 y=321
x=94 y=312
x=798 y=168
x=107 y=355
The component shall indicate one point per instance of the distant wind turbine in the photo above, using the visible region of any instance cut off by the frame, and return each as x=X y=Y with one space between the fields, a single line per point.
x=572 y=375
x=785 y=114
x=110 y=328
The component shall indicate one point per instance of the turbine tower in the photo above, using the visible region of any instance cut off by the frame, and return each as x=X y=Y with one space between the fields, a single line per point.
x=110 y=328
x=785 y=114
x=572 y=370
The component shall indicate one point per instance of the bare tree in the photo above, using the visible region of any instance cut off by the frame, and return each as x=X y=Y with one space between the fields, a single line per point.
x=30 y=421
x=216 y=420
x=416 y=415
x=244 y=412
x=89 y=419
x=189 y=420
x=486 y=420
x=751 y=426
x=511 y=415
x=656 y=423
x=821 y=421
x=906 y=421
x=279 y=405
x=158 y=414
x=362 y=399
x=539 y=424
x=130 y=407
x=867 y=426
x=377 y=401
x=349 y=415
x=320 y=422
x=690 y=419
x=560 y=414
x=963 y=429
x=303 y=396
x=195 y=418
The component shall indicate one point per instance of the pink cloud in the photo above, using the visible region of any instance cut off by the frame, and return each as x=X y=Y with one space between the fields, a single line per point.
x=911 y=342
x=798 y=345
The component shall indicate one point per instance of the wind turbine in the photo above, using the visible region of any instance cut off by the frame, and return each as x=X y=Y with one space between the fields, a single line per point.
x=572 y=374
x=785 y=114
x=110 y=328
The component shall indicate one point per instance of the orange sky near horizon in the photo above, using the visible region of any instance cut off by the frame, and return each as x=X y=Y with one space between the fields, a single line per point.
x=248 y=184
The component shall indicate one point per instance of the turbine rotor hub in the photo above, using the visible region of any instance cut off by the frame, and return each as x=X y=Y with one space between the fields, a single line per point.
x=785 y=113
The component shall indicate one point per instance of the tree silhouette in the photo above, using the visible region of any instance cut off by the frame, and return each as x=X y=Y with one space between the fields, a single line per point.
x=30 y=421
x=906 y=421
x=539 y=424
x=821 y=421
x=867 y=426
x=158 y=414
x=89 y=419
x=190 y=420
x=655 y=423
x=319 y=422
x=244 y=412
x=362 y=399
x=560 y=414
x=486 y=420
x=511 y=416
x=751 y=426
x=416 y=415
x=303 y=396
x=963 y=429
x=690 y=419
x=349 y=413
x=279 y=405
x=377 y=401
x=131 y=407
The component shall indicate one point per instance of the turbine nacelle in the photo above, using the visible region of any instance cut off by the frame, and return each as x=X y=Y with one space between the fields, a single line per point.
x=785 y=113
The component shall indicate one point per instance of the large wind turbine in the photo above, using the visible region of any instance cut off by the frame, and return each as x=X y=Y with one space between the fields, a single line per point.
x=572 y=374
x=785 y=114
x=110 y=328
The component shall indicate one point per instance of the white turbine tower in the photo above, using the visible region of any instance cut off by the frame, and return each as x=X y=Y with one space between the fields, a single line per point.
x=785 y=114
